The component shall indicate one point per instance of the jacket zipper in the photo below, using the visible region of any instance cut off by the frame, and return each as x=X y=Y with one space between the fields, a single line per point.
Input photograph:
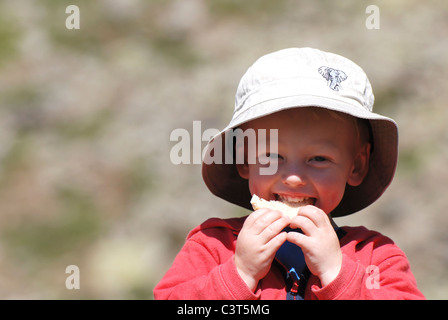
x=295 y=282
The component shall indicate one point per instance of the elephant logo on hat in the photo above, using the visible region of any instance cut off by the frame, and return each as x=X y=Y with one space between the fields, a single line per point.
x=333 y=76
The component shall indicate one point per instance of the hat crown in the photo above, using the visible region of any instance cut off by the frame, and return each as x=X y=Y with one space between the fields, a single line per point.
x=309 y=70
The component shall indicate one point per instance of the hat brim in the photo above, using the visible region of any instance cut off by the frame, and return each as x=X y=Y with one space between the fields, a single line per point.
x=223 y=179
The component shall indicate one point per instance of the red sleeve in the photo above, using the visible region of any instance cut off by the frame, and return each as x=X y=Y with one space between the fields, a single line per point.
x=378 y=270
x=391 y=280
x=195 y=275
x=204 y=269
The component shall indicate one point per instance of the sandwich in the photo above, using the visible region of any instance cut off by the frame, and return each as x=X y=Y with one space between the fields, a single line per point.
x=288 y=208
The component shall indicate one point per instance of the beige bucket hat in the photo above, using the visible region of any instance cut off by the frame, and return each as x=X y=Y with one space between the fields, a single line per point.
x=305 y=77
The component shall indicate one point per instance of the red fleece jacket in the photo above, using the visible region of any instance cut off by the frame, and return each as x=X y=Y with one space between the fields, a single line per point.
x=205 y=269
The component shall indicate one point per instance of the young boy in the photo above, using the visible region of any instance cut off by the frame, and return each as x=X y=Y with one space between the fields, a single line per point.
x=320 y=148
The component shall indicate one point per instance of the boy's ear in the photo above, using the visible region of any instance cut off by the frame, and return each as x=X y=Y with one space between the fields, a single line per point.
x=360 y=166
x=243 y=170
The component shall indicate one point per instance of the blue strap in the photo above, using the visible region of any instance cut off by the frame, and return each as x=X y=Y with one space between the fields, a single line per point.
x=291 y=257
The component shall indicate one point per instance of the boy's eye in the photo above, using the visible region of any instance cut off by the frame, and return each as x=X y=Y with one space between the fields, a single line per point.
x=272 y=156
x=319 y=159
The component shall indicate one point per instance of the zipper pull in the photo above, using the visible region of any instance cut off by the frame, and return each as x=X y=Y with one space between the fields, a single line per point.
x=295 y=281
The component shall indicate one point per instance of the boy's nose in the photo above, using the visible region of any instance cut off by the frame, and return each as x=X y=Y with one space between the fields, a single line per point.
x=293 y=180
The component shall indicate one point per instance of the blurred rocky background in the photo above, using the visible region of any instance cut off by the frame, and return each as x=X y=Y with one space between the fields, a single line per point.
x=86 y=116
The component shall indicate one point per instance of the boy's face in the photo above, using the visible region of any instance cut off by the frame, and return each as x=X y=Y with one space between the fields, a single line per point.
x=317 y=154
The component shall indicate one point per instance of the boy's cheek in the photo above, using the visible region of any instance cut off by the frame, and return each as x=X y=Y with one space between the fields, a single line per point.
x=330 y=201
x=261 y=186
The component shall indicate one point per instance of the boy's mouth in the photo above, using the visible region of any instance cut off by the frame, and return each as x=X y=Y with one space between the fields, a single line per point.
x=294 y=201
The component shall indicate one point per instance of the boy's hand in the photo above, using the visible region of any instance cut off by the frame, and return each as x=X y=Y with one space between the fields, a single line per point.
x=257 y=243
x=319 y=243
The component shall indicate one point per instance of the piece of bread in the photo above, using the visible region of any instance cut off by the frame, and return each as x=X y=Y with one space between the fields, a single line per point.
x=287 y=209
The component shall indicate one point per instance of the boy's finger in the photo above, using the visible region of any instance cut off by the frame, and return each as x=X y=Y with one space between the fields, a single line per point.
x=297 y=238
x=265 y=220
x=304 y=223
x=254 y=216
x=316 y=215
x=274 y=244
x=275 y=227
